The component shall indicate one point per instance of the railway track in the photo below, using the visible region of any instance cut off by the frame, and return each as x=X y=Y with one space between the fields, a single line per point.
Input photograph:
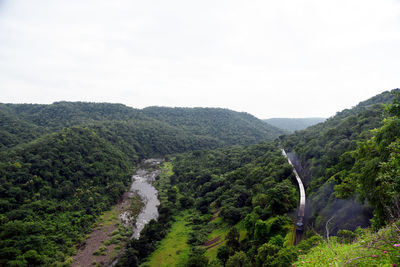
x=302 y=204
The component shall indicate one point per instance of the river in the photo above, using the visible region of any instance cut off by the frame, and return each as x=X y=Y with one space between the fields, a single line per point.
x=143 y=186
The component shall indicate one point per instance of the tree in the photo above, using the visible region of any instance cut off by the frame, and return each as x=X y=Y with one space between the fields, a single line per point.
x=394 y=108
x=223 y=254
x=231 y=214
x=232 y=239
x=261 y=231
x=197 y=258
x=240 y=259
x=266 y=254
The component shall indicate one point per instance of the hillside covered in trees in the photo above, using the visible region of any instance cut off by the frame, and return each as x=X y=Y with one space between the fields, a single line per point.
x=242 y=200
x=293 y=124
x=223 y=124
x=206 y=127
x=228 y=196
x=324 y=150
x=63 y=164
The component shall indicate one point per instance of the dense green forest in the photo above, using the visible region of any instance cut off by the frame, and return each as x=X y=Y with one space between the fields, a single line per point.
x=324 y=150
x=51 y=191
x=228 y=196
x=64 y=164
x=293 y=124
x=369 y=172
x=351 y=165
x=204 y=127
x=222 y=124
x=249 y=187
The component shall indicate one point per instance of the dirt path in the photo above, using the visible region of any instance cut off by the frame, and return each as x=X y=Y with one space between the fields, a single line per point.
x=125 y=221
x=101 y=233
x=210 y=242
x=215 y=244
x=215 y=215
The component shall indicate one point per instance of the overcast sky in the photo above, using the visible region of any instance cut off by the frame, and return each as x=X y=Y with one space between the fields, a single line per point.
x=269 y=58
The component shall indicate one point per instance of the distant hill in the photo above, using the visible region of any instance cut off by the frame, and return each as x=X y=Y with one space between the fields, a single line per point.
x=228 y=126
x=293 y=124
x=153 y=130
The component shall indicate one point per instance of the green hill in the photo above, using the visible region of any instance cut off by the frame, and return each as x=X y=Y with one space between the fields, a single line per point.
x=52 y=190
x=321 y=151
x=205 y=126
x=61 y=165
x=293 y=124
x=226 y=125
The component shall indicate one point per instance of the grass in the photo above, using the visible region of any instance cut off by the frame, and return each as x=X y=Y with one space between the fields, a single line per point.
x=173 y=250
x=290 y=236
x=163 y=181
x=166 y=170
x=108 y=218
x=369 y=249
x=135 y=207
x=119 y=237
x=221 y=230
x=100 y=251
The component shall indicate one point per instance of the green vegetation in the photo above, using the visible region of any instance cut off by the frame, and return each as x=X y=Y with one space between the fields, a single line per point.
x=138 y=250
x=62 y=165
x=173 y=250
x=369 y=171
x=219 y=235
x=252 y=188
x=149 y=132
x=293 y=124
x=224 y=202
x=41 y=211
x=367 y=248
x=225 y=125
x=324 y=158
x=240 y=196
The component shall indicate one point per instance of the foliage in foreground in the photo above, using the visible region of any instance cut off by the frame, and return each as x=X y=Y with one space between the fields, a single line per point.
x=366 y=248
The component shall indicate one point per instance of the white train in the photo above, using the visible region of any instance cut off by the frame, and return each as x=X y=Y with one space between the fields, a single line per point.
x=302 y=203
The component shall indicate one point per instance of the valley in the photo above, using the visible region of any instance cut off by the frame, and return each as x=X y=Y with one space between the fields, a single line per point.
x=223 y=194
x=126 y=220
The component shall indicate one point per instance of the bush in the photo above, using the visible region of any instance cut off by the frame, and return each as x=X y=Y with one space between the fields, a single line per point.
x=100 y=251
x=346 y=236
x=240 y=259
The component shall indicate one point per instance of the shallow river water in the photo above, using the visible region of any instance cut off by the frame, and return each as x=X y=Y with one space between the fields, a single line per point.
x=142 y=185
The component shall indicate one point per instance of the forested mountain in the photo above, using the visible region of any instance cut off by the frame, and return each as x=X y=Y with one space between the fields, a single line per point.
x=370 y=172
x=51 y=191
x=242 y=200
x=14 y=131
x=227 y=202
x=63 y=114
x=63 y=164
x=207 y=127
x=293 y=124
x=226 y=125
x=322 y=151
x=143 y=139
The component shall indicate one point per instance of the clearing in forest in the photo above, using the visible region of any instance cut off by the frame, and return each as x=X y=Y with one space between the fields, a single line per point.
x=173 y=250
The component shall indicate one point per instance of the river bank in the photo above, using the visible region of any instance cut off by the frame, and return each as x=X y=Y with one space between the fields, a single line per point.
x=125 y=221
